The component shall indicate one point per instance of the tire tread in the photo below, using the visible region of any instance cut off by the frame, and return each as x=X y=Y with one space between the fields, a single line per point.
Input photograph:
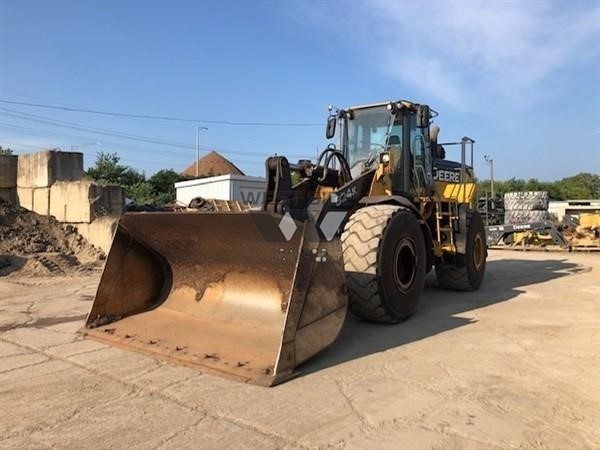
x=360 y=243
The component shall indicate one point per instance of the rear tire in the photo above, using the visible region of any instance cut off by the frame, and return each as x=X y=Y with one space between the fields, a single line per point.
x=385 y=262
x=469 y=276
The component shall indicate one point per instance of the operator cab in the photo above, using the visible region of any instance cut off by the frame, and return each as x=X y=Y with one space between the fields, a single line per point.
x=393 y=133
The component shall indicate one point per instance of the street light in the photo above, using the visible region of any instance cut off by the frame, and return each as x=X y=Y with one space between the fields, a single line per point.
x=73 y=147
x=198 y=148
x=490 y=161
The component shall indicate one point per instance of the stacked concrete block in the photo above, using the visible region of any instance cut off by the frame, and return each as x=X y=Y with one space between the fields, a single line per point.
x=92 y=208
x=41 y=201
x=8 y=178
x=84 y=201
x=100 y=232
x=107 y=200
x=36 y=172
x=41 y=169
x=50 y=183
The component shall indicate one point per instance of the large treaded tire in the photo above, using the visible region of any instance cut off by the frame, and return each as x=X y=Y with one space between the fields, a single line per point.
x=385 y=262
x=517 y=217
x=469 y=276
x=526 y=200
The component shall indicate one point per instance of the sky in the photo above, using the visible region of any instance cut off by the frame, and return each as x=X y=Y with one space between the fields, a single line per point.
x=521 y=78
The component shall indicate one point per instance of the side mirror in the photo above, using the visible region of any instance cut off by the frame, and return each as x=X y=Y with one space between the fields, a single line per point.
x=423 y=116
x=330 y=129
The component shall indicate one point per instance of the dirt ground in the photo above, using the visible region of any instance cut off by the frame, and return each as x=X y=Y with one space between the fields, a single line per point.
x=36 y=246
x=514 y=365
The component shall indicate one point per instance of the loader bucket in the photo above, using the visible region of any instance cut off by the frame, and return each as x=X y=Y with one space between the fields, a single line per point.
x=220 y=293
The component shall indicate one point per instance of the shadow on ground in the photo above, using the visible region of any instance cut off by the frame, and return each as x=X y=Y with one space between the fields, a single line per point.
x=9 y=264
x=505 y=280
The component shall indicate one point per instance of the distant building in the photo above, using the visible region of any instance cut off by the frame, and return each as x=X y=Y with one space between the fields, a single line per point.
x=212 y=164
x=222 y=180
x=573 y=207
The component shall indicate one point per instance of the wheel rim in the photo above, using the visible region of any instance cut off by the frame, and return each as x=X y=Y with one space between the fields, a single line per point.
x=478 y=252
x=405 y=264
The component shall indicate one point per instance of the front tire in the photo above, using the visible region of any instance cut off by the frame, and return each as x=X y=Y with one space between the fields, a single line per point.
x=385 y=262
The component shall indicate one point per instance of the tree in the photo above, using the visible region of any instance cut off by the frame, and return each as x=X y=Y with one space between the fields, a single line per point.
x=141 y=193
x=5 y=151
x=158 y=190
x=131 y=177
x=107 y=169
x=579 y=187
x=163 y=184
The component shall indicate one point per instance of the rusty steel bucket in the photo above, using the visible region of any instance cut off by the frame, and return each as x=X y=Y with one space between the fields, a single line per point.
x=223 y=292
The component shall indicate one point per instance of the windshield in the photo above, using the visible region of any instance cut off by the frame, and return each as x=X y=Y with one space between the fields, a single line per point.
x=367 y=133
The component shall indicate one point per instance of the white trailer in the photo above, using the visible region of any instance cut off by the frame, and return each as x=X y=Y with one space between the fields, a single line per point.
x=223 y=187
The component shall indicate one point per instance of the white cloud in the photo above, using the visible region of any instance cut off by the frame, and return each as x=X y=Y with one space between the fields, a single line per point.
x=458 y=51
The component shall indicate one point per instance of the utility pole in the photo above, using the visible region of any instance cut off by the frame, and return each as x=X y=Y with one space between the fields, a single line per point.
x=490 y=161
x=198 y=148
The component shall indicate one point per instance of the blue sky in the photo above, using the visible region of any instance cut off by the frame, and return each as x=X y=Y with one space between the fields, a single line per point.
x=521 y=78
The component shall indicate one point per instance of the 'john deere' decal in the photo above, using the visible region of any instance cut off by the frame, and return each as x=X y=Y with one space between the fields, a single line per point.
x=448 y=176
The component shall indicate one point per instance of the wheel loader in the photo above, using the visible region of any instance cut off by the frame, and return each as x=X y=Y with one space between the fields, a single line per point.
x=254 y=293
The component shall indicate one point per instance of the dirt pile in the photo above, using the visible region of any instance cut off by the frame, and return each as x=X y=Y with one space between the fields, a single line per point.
x=40 y=245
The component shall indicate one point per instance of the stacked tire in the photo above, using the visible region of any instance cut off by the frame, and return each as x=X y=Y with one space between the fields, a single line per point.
x=525 y=207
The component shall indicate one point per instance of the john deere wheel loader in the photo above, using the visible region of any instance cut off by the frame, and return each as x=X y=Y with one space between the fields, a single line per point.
x=252 y=294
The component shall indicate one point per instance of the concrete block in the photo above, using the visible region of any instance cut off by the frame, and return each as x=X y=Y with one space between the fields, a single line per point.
x=37 y=338
x=83 y=201
x=8 y=171
x=41 y=201
x=117 y=363
x=34 y=199
x=17 y=361
x=25 y=197
x=108 y=200
x=70 y=201
x=8 y=349
x=100 y=232
x=218 y=433
x=42 y=169
x=8 y=194
x=107 y=415
x=74 y=348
